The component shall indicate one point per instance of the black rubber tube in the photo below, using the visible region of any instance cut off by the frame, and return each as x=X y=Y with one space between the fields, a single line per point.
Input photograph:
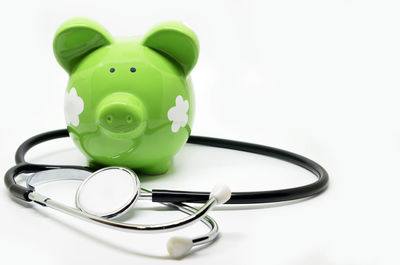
x=159 y=195
x=22 y=166
x=254 y=196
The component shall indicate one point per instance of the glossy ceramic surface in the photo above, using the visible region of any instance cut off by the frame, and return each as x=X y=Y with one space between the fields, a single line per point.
x=129 y=101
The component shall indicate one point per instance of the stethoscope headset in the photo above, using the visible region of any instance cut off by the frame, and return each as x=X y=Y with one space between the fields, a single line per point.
x=125 y=183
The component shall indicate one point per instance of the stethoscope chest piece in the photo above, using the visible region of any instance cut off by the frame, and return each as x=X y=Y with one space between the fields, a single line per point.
x=108 y=192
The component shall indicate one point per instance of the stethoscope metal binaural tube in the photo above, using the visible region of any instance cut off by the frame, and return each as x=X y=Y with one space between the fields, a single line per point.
x=176 y=246
x=35 y=180
x=46 y=176
x=165 y=227
x=200 y=240
x=207 y=220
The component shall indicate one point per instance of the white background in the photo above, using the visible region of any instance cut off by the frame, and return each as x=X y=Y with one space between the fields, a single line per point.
x=320 y=78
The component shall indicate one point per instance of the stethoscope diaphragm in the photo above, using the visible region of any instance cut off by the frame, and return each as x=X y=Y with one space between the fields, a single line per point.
x=108 y=192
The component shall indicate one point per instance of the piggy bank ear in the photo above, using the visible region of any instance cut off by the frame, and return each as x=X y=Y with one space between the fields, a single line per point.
x=76 y=38
x=175 y=40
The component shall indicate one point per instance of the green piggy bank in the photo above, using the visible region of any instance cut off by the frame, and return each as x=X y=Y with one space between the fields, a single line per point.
x=129 y=101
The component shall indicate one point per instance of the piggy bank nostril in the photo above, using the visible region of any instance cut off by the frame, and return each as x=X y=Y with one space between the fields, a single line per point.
x=129 y=119
x=109 y=119
x=119 y=120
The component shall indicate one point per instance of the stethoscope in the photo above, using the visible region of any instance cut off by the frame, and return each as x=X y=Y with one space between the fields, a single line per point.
x=120 y=189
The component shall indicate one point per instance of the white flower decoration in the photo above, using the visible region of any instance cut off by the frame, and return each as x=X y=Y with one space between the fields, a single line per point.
x=178 y=114
x=73 y=106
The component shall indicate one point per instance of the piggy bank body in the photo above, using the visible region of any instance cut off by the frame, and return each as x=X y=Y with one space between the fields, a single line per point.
x=129 y=101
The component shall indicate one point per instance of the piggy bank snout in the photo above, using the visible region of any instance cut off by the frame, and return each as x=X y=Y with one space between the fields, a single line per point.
x=119 y=117
x=122 y=113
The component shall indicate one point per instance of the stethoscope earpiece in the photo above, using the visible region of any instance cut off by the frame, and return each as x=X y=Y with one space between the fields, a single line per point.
x=221 y=193
x=178 y=246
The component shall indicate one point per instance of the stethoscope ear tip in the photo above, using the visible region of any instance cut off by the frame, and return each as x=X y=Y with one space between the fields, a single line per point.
x=178 y=247
x=221 y=193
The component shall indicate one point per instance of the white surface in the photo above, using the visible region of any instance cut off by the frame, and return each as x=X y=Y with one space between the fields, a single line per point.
x=320 y=78
x=107 y=192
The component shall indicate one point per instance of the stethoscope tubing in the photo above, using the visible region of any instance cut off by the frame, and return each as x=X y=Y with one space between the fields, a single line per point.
x=163 y=195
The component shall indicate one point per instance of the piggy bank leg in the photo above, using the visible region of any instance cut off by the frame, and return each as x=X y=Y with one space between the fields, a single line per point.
x=157 y=168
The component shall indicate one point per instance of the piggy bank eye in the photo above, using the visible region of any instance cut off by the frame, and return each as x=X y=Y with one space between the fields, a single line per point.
x=133 y=69
x=112 y=70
